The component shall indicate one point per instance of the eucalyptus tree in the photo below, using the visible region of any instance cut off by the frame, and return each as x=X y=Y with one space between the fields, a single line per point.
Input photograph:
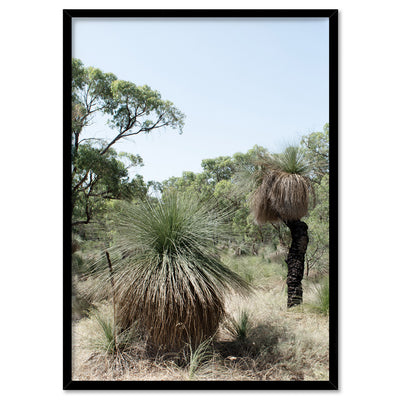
x=316 y=151
x=98 y=171
x=283 y=195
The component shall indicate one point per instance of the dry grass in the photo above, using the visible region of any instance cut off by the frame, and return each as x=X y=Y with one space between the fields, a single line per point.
x=261 y=205
x=281 y=345
x=281 y=197
x=283 y=193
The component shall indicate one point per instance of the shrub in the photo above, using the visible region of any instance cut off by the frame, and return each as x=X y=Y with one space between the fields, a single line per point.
x=240 y=327
x=166 y=272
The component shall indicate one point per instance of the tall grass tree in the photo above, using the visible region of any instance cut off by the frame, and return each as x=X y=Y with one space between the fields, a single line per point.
x=284 y=195
x=167 y=275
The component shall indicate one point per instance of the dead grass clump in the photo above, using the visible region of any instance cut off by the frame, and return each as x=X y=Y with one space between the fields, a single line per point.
x=261 y=205
x=283 y=194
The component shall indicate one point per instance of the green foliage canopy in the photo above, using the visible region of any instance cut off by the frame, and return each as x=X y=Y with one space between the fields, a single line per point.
x=316 y=150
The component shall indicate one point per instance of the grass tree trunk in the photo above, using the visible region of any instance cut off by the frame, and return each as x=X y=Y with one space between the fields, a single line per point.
x=295 y=261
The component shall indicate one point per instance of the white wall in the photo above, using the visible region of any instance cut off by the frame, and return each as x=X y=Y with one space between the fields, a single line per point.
x=31 y=194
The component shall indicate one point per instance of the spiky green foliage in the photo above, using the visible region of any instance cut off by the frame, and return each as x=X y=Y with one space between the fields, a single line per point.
x=166 y=273
x=107 y=339
x=199 y=357
x=240 y=327
x=292 y=161
x=284 y=192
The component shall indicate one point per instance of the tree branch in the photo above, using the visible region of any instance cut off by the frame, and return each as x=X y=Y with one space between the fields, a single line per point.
x=80 y=182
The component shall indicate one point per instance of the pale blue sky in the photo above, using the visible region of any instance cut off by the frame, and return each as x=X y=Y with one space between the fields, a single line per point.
x=240 y=82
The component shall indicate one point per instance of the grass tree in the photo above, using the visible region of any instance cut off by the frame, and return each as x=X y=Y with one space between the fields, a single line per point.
x=283 y=195
x=167 y=276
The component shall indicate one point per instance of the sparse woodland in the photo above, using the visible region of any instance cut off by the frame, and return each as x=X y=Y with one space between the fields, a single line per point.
x=217 y=275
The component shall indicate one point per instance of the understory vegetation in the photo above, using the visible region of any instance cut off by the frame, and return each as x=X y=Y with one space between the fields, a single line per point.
x=258 y=339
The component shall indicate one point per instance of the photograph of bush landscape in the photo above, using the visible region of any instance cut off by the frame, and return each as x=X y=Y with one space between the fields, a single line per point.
x=200 y=199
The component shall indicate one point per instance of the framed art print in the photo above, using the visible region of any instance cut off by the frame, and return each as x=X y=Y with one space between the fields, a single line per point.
x=200 y=199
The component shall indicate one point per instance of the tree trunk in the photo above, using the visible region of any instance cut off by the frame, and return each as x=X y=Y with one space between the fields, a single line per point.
x=295 y=261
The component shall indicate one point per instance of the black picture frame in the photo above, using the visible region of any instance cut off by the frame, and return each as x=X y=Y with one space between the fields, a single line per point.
x=332 y=384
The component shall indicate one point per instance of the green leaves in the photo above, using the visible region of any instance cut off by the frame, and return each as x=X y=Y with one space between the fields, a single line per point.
x=131 y=103
x=240 y=326
x=228 y=181
x=316 y=151
x=104 y=167
x=218 y=169
x=132 y=109
x=292 y=161
x=317 y=257
x=134 y=159
x=98 y=176
x=97 y=172
x=91 y=92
